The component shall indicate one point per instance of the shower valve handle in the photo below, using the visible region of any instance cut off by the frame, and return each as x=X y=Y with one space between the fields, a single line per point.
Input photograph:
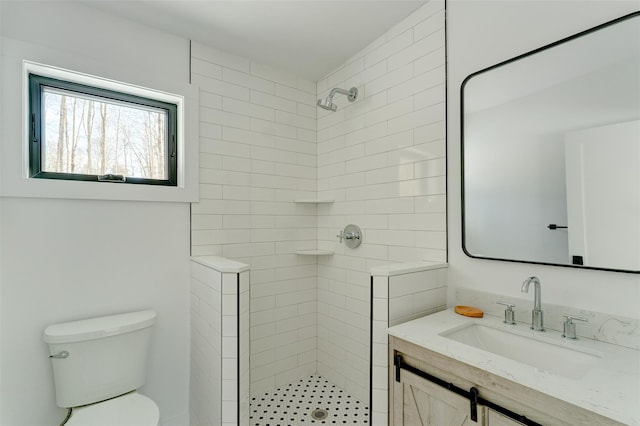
x=351 y=236
x=348 y=236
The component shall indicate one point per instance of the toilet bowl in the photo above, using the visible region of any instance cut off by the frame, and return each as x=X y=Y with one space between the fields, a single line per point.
x=98 y=365
x=132 y=409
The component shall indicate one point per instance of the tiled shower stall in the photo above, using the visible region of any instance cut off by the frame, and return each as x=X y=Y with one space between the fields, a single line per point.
x=378 y=163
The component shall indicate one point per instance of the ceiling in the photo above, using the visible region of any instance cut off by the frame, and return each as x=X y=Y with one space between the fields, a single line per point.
x=309 y=38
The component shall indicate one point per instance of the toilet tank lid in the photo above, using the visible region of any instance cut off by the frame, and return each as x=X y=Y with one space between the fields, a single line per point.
x=96 y=328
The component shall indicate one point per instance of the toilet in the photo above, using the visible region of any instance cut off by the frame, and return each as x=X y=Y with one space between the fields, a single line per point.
x=98 y=365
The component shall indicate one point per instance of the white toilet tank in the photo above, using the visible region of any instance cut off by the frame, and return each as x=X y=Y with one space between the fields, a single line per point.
x=107 y=356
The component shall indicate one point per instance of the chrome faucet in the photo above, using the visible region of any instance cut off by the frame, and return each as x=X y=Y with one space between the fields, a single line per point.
x=537 y=321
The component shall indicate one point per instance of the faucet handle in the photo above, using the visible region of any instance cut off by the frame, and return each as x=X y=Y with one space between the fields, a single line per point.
x=509 y=315
x=569 y=328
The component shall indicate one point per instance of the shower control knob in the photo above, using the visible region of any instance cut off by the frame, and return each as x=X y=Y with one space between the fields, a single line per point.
x=352 y=236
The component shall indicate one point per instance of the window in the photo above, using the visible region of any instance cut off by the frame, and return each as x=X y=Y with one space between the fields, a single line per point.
x=81 y=132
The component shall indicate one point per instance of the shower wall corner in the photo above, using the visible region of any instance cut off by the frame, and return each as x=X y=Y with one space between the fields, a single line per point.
x=219 y=377
x=399 y=293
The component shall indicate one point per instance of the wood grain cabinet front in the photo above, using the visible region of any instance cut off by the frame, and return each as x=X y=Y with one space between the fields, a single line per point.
x=418 y=402
x=432 y=389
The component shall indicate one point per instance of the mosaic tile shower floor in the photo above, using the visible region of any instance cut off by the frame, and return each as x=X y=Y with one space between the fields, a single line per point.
x=294 y=405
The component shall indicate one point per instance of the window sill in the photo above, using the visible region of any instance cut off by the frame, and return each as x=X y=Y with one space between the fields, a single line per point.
x=43 y=188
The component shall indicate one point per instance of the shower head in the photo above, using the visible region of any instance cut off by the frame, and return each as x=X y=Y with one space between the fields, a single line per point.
x=327 y=103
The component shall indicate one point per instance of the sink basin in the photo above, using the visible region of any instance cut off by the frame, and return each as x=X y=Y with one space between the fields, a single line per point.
x=527 y=348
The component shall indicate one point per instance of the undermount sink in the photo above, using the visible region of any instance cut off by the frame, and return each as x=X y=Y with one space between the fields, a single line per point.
x=526 y=348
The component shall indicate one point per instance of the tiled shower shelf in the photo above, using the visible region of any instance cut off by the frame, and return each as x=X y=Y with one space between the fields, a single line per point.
x=313 y=201
x=315 y=252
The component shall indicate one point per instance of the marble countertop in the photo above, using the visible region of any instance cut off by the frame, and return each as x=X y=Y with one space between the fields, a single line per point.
x=611 y=388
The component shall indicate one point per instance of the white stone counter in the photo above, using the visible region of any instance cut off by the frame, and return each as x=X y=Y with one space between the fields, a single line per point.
x=611 y=388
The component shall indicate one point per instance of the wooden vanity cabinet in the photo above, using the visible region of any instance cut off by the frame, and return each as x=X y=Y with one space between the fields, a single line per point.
x=416 y=401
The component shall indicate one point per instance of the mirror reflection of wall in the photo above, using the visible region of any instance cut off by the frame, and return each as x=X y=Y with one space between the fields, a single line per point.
x=603 y=194
x=526 y=124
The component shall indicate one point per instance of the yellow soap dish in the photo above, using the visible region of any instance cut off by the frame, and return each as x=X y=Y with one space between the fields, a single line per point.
x=468 y=311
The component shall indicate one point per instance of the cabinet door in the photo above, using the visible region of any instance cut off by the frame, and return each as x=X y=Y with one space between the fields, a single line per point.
x=496 y=419
x=418 y=402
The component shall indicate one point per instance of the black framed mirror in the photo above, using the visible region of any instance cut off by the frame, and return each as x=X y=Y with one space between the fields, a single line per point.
x=550 y=151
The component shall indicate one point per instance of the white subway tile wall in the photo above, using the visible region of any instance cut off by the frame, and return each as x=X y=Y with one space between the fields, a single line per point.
x=258 y=148
x=219 y=326
x=207 y=368
x=397 y=299
x=244 y=340
x=382 y=158
x=264 y=144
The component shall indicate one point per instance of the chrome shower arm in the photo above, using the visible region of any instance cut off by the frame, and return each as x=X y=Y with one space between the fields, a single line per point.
x=351 y=94
x=327 y=103
x=339 y=90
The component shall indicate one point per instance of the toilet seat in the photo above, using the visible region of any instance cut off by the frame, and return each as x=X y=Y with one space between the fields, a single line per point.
x=132 y=409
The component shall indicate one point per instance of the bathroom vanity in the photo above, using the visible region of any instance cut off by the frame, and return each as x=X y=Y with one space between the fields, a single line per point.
x=449 y=369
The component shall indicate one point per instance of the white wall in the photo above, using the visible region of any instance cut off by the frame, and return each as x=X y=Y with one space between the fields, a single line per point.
x=63 y=259
x=600 y=178
x=382 y=158
x=257 y=155
x=480 y=34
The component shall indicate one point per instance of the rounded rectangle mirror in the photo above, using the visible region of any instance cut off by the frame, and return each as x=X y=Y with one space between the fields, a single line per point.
x=551 y=153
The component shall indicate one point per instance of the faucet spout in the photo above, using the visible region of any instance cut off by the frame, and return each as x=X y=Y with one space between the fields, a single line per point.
x=537 y=321
x=537 y=292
